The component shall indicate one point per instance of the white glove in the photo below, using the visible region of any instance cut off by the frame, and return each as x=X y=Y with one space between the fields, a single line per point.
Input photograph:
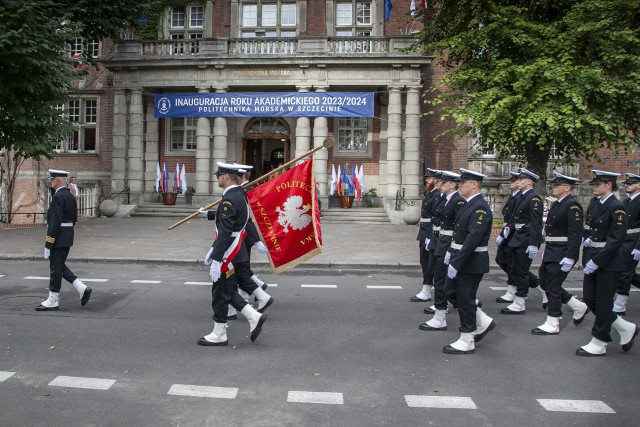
x=590 y=267
x=567 y=264
x=452 y=272
x=636 y=255
x=506 y=232
x=261 y=248
x=447 y=257
x=499 y=240
x=532 y=251
x=426 y=243
x=214 y=271
x=47 y=253
x=203 y=212
x=586 y=243
x=207 y=257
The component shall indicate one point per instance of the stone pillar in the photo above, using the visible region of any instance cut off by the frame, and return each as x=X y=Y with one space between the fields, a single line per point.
x=220 y=141
x=320 y=132
x=303 y=131
x=118 y=164
x=394 y=144
x=203 y=154
x=151 y=158
x=411 y=179
x=135 y=155
x=208 y=19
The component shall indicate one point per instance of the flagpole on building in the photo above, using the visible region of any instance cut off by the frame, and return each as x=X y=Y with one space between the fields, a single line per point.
x=327 y=143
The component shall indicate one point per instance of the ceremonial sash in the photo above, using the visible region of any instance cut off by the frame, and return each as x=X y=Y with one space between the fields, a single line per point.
x=233 y=249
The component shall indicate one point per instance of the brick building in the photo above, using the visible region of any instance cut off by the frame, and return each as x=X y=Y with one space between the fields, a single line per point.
x=260 y=46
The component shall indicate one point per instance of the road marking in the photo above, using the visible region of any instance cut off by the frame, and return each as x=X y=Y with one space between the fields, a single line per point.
x=504 y=288
x=47 y=278
x=1 y=275
x=81 y=382
x=384 y=287
x=315 y=397
x=563 y=405
x=35 y=278
x=94 y=280
x=318 y=286
x=199 y=283
x=146 y=281
x=4 y=375
x=203 y=391
x=441 y=402
x=272 y=285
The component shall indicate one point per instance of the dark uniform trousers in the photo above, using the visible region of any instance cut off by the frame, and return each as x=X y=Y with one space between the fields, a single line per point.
x=503 y=256
x=223 y=293
x=551 y=279
x=58 y=269
x=472 y=230
x=608 y=223
x=427 y=275
x=447 y=220
x=631 y=242
x=438 y=203
x=244 y=272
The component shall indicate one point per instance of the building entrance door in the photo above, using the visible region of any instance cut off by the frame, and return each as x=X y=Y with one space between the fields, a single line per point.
x=266 y=144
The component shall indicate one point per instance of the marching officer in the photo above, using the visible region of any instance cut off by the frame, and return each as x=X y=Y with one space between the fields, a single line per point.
x=631 y=245
x=62 y=216
x=563 y=235
x=454 y=202
x=502 y=255
x=469 y=261
x=527 y=238
x=603 y=263
x=231 y=219
x=432 y=194
x=432 y=238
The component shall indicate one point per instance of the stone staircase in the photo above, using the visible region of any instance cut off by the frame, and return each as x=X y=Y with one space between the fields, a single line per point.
x=355 y=215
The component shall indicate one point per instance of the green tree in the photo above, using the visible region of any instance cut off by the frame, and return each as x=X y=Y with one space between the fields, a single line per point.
x=527 y=75
x=35 y=70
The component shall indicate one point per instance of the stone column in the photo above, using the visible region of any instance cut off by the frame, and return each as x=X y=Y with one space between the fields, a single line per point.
x=220 y=141
x=394 y=145
x=320 y=132
x=135 y=153
x=203 y=154
x=411 y=180
x=118 y=164
x=303 y=131
x=151 y=158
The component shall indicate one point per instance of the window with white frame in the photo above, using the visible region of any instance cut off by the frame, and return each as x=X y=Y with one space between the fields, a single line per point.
x=185 y=22
x=274 y=18
x=183 y=133
x=353 y=135
x=353 y=18
x=80 y=48
x=83 y=113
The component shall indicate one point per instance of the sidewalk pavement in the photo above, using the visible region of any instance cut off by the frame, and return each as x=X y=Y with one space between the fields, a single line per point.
x=148 y=240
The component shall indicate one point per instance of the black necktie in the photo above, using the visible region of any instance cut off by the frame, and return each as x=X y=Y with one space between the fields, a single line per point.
x=627 y=201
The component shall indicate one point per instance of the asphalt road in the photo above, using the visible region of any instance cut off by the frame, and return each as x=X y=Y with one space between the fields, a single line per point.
x=347 y=353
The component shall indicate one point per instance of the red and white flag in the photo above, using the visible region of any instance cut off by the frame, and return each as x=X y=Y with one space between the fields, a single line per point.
x=286 y=214
x=77 y=57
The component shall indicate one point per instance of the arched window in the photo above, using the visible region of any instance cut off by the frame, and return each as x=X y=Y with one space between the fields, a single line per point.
x=267 y=128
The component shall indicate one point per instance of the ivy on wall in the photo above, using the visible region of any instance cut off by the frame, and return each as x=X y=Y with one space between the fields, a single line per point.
x=153 y=13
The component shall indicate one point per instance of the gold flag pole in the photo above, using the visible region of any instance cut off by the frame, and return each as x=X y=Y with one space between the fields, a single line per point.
x=327 y=143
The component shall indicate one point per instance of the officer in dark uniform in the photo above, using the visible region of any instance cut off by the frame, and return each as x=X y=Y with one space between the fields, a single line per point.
x=454 y=202
x=526 y=240
x=502 y=255
x=62 y=216
x=469 y=261
x=432 y=194
x=430 y=242
x=563 y=235
x=631 y=245
x=603 y=263
x=231 y=219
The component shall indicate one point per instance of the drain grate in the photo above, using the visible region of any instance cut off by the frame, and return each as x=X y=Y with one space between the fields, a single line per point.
x=21 y=300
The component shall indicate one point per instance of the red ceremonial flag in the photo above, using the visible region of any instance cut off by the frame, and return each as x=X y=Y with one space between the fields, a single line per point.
x=286 y=214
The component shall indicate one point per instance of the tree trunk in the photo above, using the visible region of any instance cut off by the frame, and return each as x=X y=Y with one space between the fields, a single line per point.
x=537 y=160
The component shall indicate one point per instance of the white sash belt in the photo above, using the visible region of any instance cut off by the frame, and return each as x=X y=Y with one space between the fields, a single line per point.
x=556 y=239
x=66 y=224
x=633 y=230
x=436 y=228
x=425 y=219
x=458 y=246
x=446 y=232
x=598 y=244
x=519 y=226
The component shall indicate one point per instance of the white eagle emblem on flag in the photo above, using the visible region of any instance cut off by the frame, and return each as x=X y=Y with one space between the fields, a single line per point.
x=294 y=215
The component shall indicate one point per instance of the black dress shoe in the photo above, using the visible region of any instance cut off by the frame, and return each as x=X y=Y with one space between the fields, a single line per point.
x=416 y=299
x=232 y=317
x=85 y=296
x=626 y=347
x=545 y=305
x=425 y=327
x=450 y=350
x=500 y=299
x=202 y=341
x=507 y=311
x=428 y=310
x=538 y=331
x=263 y=309
x=578 y=321
x=43 y=308
x=620 y=313
x=479 y=304
x=258 y=329
x=581 y=352
x=479 y=337
x=264 y=286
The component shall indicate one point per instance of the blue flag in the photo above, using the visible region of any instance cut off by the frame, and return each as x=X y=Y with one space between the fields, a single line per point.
x=387 y=9
x=345 y=179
